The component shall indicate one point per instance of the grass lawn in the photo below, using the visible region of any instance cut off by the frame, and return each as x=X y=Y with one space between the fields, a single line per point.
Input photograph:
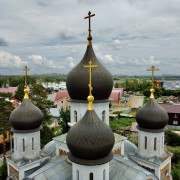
x=122 y=123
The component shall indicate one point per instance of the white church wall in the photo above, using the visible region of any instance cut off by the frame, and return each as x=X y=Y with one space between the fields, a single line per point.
x=153 y=146
x=26 y=144
x=82 y=172
x=80 y=108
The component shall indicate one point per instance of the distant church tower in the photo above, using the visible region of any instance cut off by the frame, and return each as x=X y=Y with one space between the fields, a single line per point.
x=77 y=85
x=26 y=123
x=152 y=119
x=90 y=142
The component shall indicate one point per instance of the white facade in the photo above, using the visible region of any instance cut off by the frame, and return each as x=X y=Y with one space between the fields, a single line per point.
x=151 y=144
x=26 y=144
x=78 y=110
x=96 y=172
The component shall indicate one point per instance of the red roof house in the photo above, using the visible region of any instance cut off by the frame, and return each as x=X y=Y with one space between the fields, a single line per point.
x=173 y=112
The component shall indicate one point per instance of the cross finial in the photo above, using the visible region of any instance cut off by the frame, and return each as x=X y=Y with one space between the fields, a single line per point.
x=89 y=17
x=152 y=89
x=153 y=69
x=90 y=97
x=26 y=69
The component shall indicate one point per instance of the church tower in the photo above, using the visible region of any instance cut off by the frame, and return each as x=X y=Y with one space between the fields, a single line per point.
x=26 y=122
x=90 y=142
x=152 y=119
x=77 y=85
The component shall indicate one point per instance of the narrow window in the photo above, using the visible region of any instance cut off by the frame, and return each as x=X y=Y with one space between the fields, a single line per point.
x=91 y=176
x=77 y=175
x=16 y=143
x=104 y=174
x=103 y=115
x=32 y=143
x=23 y=145
x=155 y=143
x=75 y=116
x=145 y=144
x=162 y=142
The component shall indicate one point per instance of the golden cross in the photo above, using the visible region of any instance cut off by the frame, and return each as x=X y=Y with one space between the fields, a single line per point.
x=89 y=17
x=90 y=66
x=25 y=77
x=153 y=69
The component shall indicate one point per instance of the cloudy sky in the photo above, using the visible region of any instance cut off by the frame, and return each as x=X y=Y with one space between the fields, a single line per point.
x=128 y=35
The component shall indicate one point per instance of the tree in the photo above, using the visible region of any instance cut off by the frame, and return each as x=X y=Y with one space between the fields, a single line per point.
x=5 y=111
x=6 y=95
x=3 y=171
x=39 y=99
x=19 y=94
x=64 y=118
x=46 y=135
x=117 y=85
x=16 y=81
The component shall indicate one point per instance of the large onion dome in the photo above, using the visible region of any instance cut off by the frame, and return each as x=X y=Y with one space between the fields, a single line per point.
x=78 y=77
x=152 y=116
x=90 y=140
x=27 y=116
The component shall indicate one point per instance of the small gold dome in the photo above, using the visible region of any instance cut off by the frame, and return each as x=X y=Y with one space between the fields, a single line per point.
x=26 y=91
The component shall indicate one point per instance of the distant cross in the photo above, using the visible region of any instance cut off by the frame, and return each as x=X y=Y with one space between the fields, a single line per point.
x=89 y=17
x=153 y=69
x=25 y=77
x=90 y=66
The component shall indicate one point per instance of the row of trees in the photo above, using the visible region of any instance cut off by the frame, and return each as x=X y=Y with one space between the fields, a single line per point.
x=144 y=87
x=14 y=81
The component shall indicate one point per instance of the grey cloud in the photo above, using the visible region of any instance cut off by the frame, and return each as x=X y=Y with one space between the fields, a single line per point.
x=66 y=35
x=3 y=42
x=42 y=3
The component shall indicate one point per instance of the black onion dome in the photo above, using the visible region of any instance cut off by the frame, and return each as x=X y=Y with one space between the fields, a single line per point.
x=78 y=77
x=152 y=116
x=26 y=117
x=90 y=140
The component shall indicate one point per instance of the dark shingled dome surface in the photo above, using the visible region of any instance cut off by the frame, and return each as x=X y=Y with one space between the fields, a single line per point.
x=90 y=140
x=152 y=116
x=78 y=77
x=26 y=117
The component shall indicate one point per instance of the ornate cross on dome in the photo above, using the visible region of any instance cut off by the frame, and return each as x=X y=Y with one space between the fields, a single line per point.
x=89 y=17
x=153 y=69
x=25 y=77
x=90 y=66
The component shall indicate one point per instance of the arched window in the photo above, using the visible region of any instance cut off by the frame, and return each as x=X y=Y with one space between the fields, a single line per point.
x=145 y=143
x=16 y=143
x=32 y=143
x=75 y=116
x=23 y=145
x=155 y=142
x=77 y=175
x=91 y=176
x=103 y=115
x=104 y=174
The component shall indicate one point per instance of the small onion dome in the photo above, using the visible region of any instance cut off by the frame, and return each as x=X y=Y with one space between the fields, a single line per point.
x=90 y=141
x=26 y=116
x=78 y=77
x=152 y=116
